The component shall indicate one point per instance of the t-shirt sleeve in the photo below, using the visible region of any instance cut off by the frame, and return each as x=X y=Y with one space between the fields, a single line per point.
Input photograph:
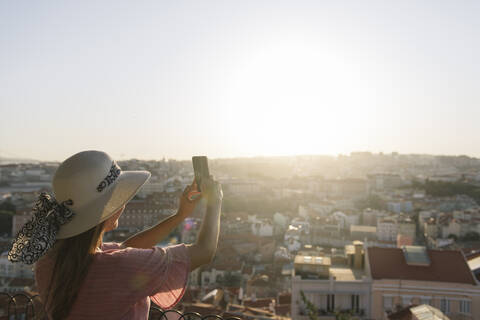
x=158 y=273
x=168 y=293
x=111 y=245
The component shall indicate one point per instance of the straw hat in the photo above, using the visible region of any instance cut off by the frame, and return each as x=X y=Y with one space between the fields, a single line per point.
x=97 y=187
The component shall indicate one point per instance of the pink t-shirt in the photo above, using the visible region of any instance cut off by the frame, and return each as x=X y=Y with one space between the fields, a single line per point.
x=121 y=281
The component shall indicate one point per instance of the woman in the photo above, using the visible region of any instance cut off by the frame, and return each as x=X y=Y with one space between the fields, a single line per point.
x=80 y=277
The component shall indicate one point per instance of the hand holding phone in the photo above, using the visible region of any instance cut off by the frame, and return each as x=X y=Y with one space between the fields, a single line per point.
x=200 y=169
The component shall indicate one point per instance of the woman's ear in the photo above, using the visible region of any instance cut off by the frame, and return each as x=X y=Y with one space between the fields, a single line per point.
x=112 y=222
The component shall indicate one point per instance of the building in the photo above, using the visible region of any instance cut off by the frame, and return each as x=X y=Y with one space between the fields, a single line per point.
x=346 y=188
x=241 y=187
x=431 y=229
x=139 y=214
x=261 y=228
x=19 y=219
x=309 y=266
x=370 y=217
x=407 y=276
x=331 y=287
x=407 y=228
x=421 y=312
x=387 y=229
x=151 y=188
x=400 y=206
x=14 y=270
x=363 y=232
x=423 y=217
x=384 y=181
x=218 y=276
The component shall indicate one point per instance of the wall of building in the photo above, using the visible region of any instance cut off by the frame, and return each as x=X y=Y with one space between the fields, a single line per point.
x=316 y=291
x=389 y=293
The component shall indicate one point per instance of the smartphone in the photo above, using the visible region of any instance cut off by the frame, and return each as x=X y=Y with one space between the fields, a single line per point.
x=200 y=169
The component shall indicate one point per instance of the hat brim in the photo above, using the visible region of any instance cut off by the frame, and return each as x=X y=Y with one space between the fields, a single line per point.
x=125 y=188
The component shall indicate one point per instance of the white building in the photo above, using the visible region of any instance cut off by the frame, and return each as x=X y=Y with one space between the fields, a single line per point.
x=150 y=188
x=406 y=227
x=346 y=287
x=14 y=270
x=262 y=228
x=387 y=230
x=280 y=219
x=423 y=216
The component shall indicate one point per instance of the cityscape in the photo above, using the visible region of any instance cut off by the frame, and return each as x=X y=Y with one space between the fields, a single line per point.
x=358 y=236
x=342 y=136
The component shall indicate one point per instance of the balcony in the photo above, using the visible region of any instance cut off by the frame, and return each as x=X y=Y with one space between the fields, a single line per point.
x=24 y=307
x=334 y=314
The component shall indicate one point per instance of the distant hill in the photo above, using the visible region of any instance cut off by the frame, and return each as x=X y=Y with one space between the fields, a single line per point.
x=4 y=160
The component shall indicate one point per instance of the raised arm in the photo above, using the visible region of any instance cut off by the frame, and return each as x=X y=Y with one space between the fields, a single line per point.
x=203 y=250
x=151 y=236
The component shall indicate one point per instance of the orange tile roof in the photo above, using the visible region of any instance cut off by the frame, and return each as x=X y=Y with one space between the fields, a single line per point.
x=284 y=298
x=390 y=263
x=283 y=309
x=259 y=303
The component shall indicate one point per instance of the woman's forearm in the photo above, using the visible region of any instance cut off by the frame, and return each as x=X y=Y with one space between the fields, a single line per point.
x=208 y=235
x=150 y=237
x=203 y=250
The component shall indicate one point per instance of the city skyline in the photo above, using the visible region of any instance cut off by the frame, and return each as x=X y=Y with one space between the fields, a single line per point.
x=156 y=80
x=20 y=160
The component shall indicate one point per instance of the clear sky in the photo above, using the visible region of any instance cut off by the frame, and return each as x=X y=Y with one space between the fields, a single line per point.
x=148 y=79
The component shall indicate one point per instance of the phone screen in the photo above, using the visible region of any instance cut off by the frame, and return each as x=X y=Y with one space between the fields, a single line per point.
x=200 y=169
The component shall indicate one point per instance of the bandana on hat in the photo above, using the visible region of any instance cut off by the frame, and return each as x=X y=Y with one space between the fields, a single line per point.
x=38 y=235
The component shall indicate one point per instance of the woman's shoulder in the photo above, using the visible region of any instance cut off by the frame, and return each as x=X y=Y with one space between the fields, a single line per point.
x=128 y=260
x=113 y=252
x=111 y=246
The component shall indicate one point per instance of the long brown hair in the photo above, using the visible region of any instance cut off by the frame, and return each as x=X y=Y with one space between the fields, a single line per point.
x=72 y=260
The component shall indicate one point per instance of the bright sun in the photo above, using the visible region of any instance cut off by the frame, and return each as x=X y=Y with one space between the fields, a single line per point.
x=298 y=99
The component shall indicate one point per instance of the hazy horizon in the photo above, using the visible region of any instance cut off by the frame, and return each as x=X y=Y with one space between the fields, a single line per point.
x=254 y=156
x=153 y=79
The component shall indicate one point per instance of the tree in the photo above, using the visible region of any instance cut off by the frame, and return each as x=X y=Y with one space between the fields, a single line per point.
x=452 y=236
x=6 y=218
x=471 y=236
x=372 y=201
x=8 y=206
x=312 y=312
x=341 y=315
x=230 y=279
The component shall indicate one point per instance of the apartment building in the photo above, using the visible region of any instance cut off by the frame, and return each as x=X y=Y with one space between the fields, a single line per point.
x=387 y=229
x=407 y=228
x=414 y=275
x=139 y=214
x=331 y=287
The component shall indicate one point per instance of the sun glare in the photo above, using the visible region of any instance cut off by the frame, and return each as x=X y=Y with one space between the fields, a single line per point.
x=297 y=99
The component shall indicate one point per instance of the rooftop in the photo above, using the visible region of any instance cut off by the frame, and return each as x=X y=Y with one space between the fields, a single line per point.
x=358 y=228
x=421 y=312
x=416 y=256
x=390 y=263
x=346 y=274
x=300 y=259
x=474 y=263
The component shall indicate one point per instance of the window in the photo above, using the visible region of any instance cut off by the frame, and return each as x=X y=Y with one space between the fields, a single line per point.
x=426 y=300
x=330 y=302
x=355 y=299
x=445 y=305
x=465 y=306
x=388 y=303
x=406 y=301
